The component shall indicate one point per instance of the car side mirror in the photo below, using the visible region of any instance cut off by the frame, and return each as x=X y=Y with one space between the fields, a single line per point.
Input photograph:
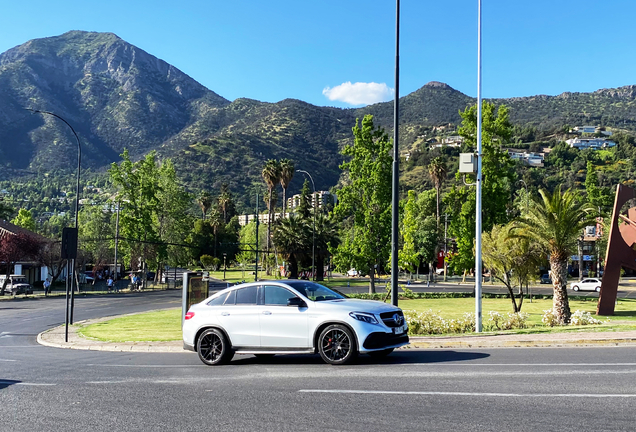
x=296 y=301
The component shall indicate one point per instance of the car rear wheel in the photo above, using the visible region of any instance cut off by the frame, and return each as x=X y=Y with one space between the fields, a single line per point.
x=213 y=348
x=575 y=287
x=597 y=289
x=337 y=345
x=380 y=354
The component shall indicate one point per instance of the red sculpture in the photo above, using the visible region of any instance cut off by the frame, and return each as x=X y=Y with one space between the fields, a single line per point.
x=621 y=250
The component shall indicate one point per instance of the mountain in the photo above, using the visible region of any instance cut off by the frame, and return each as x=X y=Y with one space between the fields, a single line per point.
x=115 y=94
x=118 y=96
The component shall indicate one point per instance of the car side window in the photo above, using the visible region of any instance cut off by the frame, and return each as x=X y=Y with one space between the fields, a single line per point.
x=217 y=300
x=275 y=295
x=247 y=295
x=231 y=298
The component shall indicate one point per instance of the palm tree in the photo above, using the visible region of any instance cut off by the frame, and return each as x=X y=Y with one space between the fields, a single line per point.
x=437 y=170
x=327 y=238
x=271 y=175
x=205 y=202
x=555 y=223
x=224 y=200
x=287 y=171
x=292 y=237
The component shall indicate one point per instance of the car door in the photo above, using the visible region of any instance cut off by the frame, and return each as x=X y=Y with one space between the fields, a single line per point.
x=239 y=316
x=282 y=326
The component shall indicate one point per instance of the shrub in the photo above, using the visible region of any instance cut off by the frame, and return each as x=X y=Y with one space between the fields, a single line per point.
x=497 y=321
x=549 y=318
x=583 y=318
x=429 y=322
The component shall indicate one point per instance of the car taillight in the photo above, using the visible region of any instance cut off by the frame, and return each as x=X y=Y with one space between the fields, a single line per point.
x=189 y=315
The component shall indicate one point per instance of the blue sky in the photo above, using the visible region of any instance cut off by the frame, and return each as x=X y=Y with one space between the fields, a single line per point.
x=277 y=49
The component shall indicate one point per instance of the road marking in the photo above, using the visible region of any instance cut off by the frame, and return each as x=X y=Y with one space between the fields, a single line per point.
x=515 y=364
x=7 y=360
x=441 y=393
x=107 y=382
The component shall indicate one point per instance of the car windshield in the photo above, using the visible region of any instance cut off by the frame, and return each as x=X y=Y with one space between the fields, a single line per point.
x=314 y=291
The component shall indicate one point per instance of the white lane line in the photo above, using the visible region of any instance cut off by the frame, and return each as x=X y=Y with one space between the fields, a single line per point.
x=513 y=364
x=107 y=382
x=441 y=393
x=7 y=360
x=146 y=366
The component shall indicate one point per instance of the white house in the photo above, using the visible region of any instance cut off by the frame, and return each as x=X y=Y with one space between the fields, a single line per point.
x=590 y=143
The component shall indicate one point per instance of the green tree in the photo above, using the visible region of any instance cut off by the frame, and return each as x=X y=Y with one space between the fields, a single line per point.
x=5 y=211
x=554 y=223
x=599 y=197
x=293 y=238
x=427 y=236
x=327 y=239
x=498 y=178
x=408 y=256
x=304 y=208
x=96 y=233
x=25 y=220
x=365 y=200
x=204 y=200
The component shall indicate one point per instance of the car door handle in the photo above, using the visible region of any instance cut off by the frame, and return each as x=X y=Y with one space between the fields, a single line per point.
x=267 y=313
x=225 y=314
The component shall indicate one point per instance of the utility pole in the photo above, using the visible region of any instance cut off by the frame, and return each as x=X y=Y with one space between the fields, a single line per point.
x=396 y=165
x=445 y=245
x=116 y=243
x=256 y=267
x=478 y=264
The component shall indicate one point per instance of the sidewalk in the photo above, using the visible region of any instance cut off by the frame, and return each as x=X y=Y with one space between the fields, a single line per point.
x=55 y=338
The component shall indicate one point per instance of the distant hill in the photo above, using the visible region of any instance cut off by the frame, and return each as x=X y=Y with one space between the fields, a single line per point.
x=118 y=96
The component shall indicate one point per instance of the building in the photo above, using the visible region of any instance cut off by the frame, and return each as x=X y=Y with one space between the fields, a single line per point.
x=263 y=218
x=529 y=158
x=32 y=270
x=590 y=143
x=591 y=130
x=323 y=198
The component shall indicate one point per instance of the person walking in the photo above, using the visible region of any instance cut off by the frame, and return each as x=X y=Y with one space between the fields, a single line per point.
x=47 y=286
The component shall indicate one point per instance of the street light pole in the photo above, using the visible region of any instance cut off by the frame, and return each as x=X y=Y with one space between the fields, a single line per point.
x=313 y=245
x=478 y=265
x=77 y=194
x=396 y=165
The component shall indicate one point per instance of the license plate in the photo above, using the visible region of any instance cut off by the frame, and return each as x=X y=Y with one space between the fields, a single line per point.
x=400 y=330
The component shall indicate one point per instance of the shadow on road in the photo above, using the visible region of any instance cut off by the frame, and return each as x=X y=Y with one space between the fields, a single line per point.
x=397 y=357
x=6 y=383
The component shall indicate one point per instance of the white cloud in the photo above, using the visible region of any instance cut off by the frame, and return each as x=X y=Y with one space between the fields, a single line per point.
x=359 y=93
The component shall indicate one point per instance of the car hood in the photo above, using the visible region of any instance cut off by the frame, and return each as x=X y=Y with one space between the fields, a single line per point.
x=355 y=305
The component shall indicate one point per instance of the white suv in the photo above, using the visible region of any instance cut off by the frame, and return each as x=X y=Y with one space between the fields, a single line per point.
x=270 y=317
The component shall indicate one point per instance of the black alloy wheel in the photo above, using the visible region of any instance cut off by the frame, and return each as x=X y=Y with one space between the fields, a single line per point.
x=380 y=354
x=337 y=345
x=213 y=348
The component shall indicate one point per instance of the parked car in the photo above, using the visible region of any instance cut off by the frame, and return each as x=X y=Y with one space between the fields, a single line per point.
x=271 y=317
x=17 y=284
x=352 y=273
x=545 y=279
x=591 y=284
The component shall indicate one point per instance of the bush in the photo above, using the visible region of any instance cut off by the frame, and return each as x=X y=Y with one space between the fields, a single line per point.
x=497 y=321
x=549 y=319
x=430 y=322
x=583 y=318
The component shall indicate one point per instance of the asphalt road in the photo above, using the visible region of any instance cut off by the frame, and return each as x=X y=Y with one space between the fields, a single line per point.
x=543 y=389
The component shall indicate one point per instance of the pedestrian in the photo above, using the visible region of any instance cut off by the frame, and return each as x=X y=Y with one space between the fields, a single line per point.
x=109 y=282
x=47 y=286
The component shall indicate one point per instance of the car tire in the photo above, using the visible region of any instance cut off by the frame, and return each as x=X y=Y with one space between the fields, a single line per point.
x=380 y=354
x=575 y=288
x=213 y=348
x=597 y=289
x=337 y=345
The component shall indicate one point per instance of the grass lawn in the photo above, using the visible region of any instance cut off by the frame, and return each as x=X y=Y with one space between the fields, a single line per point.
x=166 y=325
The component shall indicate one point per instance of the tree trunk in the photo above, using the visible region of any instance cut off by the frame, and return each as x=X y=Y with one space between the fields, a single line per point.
x=560 y=302
x=506 y=282
x=293 y=267
x=320 y=268
x=284 y=200
x=269 y=230
x=437 y=198
x=371 y=280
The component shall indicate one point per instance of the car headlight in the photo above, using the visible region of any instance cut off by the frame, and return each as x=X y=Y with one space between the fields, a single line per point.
x=363 y=316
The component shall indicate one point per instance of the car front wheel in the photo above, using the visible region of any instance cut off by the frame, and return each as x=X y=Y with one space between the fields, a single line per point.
x=337 y=345
x=575 y=288
x=213 y=348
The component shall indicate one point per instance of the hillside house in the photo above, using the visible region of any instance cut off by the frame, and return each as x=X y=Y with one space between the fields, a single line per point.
x=590 y=143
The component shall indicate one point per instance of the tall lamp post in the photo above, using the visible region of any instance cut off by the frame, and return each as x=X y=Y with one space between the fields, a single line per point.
x=313 y=244
x=395 y=200
x=77 y=194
